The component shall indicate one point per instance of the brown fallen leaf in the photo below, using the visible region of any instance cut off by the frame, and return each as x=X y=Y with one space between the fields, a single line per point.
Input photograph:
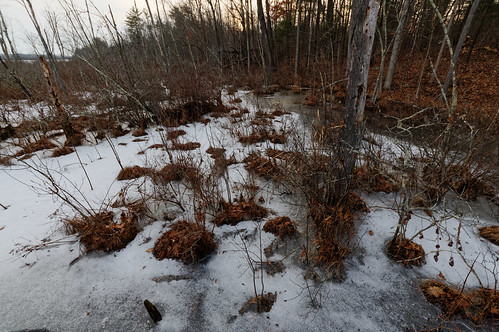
x=1 y=228
x=371 y=233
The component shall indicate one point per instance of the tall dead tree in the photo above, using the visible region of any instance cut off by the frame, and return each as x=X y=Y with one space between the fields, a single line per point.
x=73 y=137
x=31 y=13
x=362 y=27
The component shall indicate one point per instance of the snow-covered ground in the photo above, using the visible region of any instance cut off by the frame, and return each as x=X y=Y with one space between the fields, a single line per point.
x=48 y=289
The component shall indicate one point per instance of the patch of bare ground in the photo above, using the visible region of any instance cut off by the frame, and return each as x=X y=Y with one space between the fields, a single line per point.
x=232 y=214
x=185 y=241
x=99 y=232
x=476 y=305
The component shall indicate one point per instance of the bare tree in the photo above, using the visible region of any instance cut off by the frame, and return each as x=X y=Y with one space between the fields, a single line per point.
x=362 y=27
x=459 y=45
x=396 y=45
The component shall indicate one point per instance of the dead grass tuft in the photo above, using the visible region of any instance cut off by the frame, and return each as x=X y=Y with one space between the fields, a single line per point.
x=406 y=252
x=41 y=144
x=139 y=132
x=260 y=303
x=490 y=233
x=100 y=233
x=232 y=214
x=62 y=151
x=185 y=241
x=178 y=172
x=264 y=167
x=174 y=134
x=262 y=134
x=334 y=230
x=477 y=306
x=7 y=132
x=282 y=227
x=6 y=161
x=134 y=172
x=438 y=180
x=185 y=146
x=371 y=180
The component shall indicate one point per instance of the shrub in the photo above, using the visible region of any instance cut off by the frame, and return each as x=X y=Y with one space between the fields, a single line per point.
x=100 y=233
x=406 y=252
x=185 y=241
x=282 y=227
x=134 y=172
x=232 y=214
x=477 y=305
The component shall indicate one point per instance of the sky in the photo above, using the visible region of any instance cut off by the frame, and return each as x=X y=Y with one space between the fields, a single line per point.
x=20 y=26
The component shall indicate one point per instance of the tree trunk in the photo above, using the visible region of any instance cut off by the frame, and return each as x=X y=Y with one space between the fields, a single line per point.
x=362 y=27
x=32 y=16
x=396 y=45
x=297 y=53
x=459 y=46
x=265 y=38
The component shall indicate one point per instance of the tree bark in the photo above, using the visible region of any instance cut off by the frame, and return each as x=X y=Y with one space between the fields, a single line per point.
x=362 y=27
x=265 y=37
x=459 y=46
x=397 y=42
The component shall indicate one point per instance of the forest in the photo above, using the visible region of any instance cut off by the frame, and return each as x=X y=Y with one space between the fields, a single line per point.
x=277 y=165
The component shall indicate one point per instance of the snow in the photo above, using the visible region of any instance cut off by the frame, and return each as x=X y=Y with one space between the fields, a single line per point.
x=50 y=289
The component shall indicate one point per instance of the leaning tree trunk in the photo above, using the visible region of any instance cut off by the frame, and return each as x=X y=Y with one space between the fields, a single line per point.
x=396 y=45
x=362 y=27
x=459 y=46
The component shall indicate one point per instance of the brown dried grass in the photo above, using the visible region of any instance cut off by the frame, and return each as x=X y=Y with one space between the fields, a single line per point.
x=477 y=305
x=185 y=241
x=100 y=233
x=457 y=177
x=260 y=303
x=62 y=151
x=6 y=161
x=261 y=166
x=139 y=132
x=185 y=146
x=406 y=252
x=232 y=214
x=133 y=172
x=281 y=226
x=261 y=135
x=178 y=172
x=41 y=144
x=174 y=134
x=490 y=233
x=372 y=180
